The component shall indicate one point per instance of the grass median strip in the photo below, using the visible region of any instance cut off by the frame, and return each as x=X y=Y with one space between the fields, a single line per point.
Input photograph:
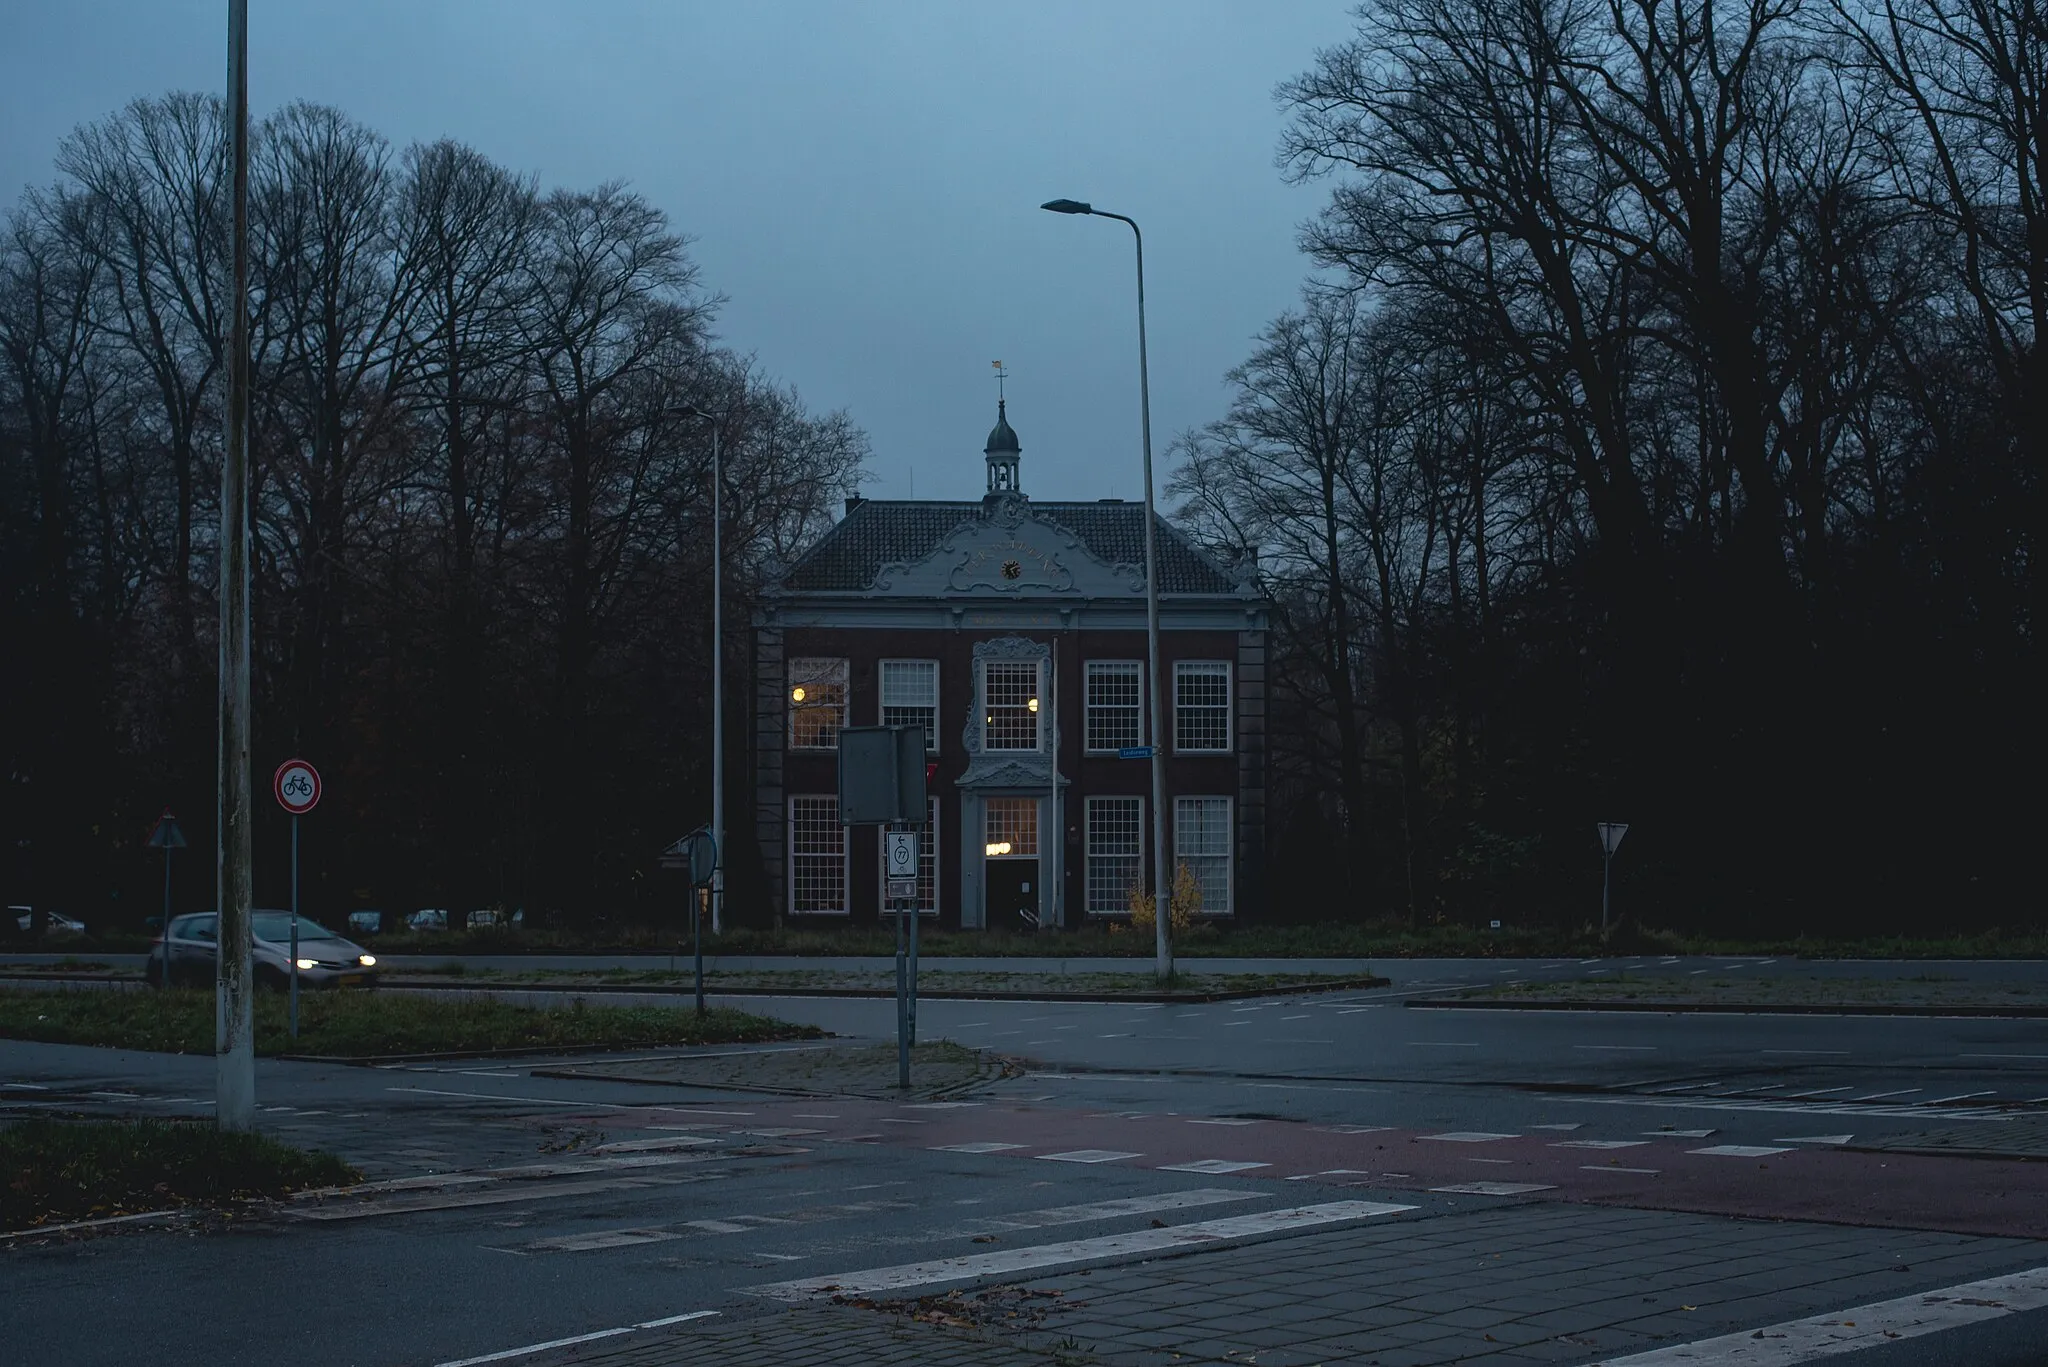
x=370 y=1024
x=59 y=1171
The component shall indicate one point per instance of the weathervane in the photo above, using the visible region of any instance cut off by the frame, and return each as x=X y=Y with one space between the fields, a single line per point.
x=1001 y=375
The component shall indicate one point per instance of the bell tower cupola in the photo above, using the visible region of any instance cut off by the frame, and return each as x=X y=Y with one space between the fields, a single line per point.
x=1003 y=449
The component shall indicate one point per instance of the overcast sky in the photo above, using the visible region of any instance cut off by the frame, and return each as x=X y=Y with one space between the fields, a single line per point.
x=861 y=179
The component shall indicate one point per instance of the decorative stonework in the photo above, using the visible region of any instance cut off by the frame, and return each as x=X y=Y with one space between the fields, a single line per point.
x=1007 y=552
x=1005 y=768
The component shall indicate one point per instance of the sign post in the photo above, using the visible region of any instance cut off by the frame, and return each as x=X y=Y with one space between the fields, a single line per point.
x=167 y=837
x=899 y=867
x=1611 y=833
x=297 y=785
x=696 y=853
x=882 y=781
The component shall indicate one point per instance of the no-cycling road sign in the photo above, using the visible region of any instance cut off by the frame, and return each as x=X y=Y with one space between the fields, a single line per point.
x=297 y=785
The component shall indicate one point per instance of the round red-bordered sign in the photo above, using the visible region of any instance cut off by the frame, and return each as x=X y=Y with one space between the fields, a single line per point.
x=297 y=785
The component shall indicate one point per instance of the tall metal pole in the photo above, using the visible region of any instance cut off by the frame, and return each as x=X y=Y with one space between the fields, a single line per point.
x=1162 y=859
x=293 y=1027
x=1606 y=876
x=717 y=683
x=234 y=1038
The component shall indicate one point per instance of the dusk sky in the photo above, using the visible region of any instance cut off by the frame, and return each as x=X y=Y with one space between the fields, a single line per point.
x=861 y=180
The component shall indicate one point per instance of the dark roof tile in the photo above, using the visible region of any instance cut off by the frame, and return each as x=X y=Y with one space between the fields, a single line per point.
x=877 y=532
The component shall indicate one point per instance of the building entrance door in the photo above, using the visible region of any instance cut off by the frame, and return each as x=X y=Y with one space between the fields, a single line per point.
x=1013 y=894
x=1010 y=883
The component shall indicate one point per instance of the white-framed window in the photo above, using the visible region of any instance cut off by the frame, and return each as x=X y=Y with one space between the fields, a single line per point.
x=1201 y=840
x=817 y=857
x=910 y=697
x=927 y=864
x=1116 y=852
x=1009 y=695
x=1201 y=705
x=1115 y=704
x=1010 y=828
x=817 y=703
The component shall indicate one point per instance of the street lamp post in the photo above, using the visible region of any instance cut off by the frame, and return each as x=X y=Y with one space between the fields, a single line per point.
x=1162 y=877
x=717 y=666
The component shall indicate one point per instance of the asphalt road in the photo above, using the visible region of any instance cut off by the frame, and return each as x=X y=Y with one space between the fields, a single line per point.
x=1151 y=1115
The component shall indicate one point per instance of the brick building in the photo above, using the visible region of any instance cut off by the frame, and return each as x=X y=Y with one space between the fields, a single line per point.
x=1014 y=632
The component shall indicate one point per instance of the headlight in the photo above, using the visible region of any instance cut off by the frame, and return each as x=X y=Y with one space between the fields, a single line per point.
x=309 y=963
x=367 y=960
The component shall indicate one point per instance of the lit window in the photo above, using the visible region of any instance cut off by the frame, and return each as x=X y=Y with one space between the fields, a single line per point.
x=910 y=697
x=1201 y=840
x=1010 y=704
x=1201 y=705
x=1011 y=828
x=927 y=864
x=1116 y=853
x=817 y=857
x=1115 y=704
x=817 y=703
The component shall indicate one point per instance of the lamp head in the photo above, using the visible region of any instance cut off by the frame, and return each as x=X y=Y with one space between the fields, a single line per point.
x=1067 y=206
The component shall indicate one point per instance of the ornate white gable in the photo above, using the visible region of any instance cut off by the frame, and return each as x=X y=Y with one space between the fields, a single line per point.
x=1009 y=553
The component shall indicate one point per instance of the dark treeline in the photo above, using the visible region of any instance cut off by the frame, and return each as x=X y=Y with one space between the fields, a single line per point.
x=482 y=528
x=1660 y=440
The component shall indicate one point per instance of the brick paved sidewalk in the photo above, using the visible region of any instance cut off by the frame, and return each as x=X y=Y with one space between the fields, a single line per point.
x=1501 y=1285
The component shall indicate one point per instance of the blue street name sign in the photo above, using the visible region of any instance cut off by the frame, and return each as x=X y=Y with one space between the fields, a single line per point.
x=1135 y=752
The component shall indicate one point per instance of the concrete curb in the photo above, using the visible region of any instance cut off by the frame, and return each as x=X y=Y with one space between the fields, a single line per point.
x=1734 y=1008
x=886 y=993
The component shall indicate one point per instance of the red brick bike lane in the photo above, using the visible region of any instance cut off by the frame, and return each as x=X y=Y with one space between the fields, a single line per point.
x=1675 y=1171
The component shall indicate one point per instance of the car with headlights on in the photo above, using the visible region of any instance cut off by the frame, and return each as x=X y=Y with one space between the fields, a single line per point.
x=325 y=958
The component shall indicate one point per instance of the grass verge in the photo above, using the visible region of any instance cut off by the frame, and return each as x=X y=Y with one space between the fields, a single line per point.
x=368 y=1024
x=64 y=1170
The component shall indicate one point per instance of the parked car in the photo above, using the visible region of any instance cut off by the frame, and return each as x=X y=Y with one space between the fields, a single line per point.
x=428 y=918
x=366 y=922
x=486 y=916
x=325 y=959
x=58 y=924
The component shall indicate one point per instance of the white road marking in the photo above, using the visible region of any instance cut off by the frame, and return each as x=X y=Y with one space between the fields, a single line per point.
x=1738 y=1150
x=1557 y=1127
x=1468 y=1137
x=24 y=1086
x=1817 y=1139
x=528 y=1100
x=1959 y=1096
x=1600 y=1144
x=1219 y=1120
x=1352 y=1129
x=1089 y=1156
x=1616 y=1167
x=1216 y=1166
x=1118 y=1209
x=532 y=1348
x=1862 y=1326
x=1842 y=1108
x=980 y=1146
x=670 y=1141
x=1681 y=1134
x=1010 y=1261
x=935 y=1106
x=1818 y=1091
x=1495 y=1188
